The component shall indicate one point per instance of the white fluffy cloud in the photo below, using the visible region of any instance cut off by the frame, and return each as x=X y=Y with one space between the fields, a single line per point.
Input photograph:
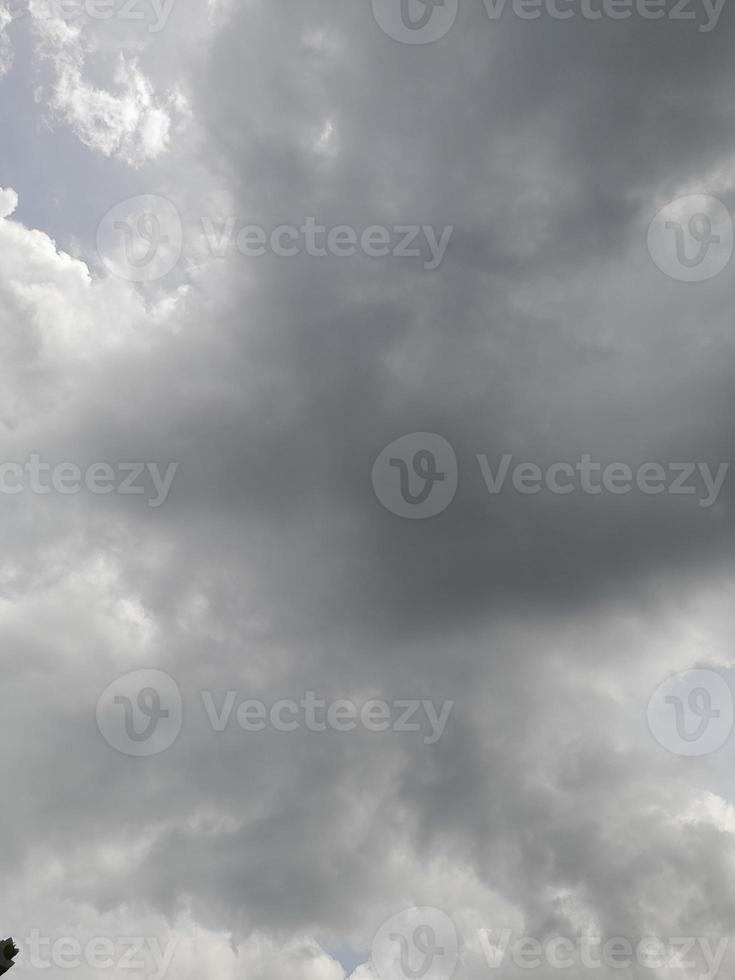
x=126 y=122
x=125 y=117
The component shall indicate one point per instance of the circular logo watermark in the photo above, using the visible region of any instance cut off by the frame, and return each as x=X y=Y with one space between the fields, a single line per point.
x=141 y=239
x=141 y=713
x=692 y=238
x=416 y=476
x=417 y=944
x=692 y=713
x=415 y=21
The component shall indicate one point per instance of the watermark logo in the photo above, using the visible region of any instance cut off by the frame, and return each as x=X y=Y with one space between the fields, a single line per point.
x=415 y=21
x=692 y=238
x=416 y=944
x=141 y=239
x=692 y=713
x=416 y=476
x=141 y=713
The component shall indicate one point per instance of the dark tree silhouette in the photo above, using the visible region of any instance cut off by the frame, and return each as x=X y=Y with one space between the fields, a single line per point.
x=8 y=952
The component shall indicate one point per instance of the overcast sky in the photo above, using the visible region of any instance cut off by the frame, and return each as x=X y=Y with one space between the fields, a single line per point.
x=378 y=353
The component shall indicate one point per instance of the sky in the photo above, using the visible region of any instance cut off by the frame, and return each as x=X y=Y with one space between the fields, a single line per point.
x=366 y=426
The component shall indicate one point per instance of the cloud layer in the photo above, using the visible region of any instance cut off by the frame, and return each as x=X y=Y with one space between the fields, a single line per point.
x=547 y=332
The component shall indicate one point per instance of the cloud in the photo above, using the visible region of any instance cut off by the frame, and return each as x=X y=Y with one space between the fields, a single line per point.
x=6 y=48
x=273 y=569
x=127 y=119
x=127 y=123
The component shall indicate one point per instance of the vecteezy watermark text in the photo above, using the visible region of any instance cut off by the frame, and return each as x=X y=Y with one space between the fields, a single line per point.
x=144 y=954
x=705 y=13
x=340 y=241
x=426 y=21
x=141 y=714
x=424 y=943
x=141 y=239
x=417 y=477
x=314 y=714
x=155 y=13
x=595 y=478
x=608 y=953
x=39 y=476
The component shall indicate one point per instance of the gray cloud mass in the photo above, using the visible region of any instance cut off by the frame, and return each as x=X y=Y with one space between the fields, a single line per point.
x=273 y=569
